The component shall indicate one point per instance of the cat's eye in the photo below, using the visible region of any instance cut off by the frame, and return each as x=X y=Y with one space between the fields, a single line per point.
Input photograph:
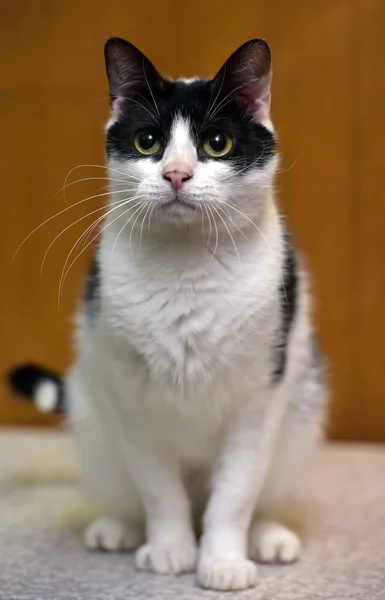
x=147 y=143
x=217 y=144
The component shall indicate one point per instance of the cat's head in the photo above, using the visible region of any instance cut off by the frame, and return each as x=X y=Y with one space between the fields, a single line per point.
x=191 y=151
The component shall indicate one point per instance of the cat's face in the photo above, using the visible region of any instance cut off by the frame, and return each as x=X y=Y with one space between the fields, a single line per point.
x=190 y=152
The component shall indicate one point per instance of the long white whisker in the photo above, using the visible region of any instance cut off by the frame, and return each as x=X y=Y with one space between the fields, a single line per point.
x=63 y=211
x=280 y=171
x=86 y=179
x=260 y=233
x=132 y=227
x=95 y=224
x=211 y=107
x=247 y=166
x=210 y=226
x=78 y=167
x=118 y=202
x=154 y=205
x=106 y=168
x=151 y=109
x=229 y=232
x=121 y=231
x=150 y=205
x=148 y=85
x=64 y=275
x=216 y=233
x=220 y=104
x=226 y=213
x=152 y=115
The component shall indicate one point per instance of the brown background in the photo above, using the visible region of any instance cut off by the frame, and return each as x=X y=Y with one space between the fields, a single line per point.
x=328 y=106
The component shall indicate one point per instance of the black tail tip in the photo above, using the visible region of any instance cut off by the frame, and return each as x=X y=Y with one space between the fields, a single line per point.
x=39 y=386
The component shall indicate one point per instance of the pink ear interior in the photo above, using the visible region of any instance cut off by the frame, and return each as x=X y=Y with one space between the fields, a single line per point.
x=128 y=70
x=247 y=76
x=257 y=97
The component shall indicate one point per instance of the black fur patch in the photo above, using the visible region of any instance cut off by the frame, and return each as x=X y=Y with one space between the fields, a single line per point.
x=253 y=144
x=92 y=290
x=288 y=298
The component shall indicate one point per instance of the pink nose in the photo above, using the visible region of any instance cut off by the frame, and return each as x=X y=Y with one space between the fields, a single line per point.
x=176 y=178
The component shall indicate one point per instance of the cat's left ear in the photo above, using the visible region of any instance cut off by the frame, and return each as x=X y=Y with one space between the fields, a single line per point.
x=246 y=77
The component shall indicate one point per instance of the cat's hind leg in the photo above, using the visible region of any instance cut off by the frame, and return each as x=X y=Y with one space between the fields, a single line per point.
x=285 y=486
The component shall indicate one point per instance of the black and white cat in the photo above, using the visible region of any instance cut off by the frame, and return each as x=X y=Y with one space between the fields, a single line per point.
x=197 y=394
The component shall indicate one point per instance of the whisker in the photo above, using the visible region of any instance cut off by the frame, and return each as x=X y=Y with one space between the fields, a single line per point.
x=64 y=274
x=260 y=233
x=118 y=236
x=216 y=233
x=150 y=105
x=78 y=167
x=229 y=232
x=154 y=206
x=247 y=166
x=106 y=168
x=280 y=171
x=85 y=179
x=62 y=212
x=210 y=226
x=152 y=115
x=232 y=222
x=211 y=107
x=132 y=228
x=220 y=104
x=122 y=202
x=148 y=85
x=150 y=205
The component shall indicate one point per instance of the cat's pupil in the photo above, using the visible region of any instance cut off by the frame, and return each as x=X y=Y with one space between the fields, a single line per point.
x=218 y=142
x=146 y=140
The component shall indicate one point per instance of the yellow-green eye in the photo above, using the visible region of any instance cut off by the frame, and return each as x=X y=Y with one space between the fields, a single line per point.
x=147 y=142
x=217 y=144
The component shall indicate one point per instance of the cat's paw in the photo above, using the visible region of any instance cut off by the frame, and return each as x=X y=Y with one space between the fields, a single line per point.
x=111 y=535
x=170 y=557
x=224 y=574
x=272 y=543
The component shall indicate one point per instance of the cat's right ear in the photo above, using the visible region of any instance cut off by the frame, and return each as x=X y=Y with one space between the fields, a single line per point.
x=128 y=71
x=246 y=77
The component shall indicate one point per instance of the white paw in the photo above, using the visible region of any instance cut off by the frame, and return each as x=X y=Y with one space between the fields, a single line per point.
x=170 y=557
x=271 y=542
x=218 y=573
x=111 y=535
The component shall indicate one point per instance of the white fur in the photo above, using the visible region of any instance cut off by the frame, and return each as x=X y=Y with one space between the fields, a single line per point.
x=46 y=396
x=171 y=397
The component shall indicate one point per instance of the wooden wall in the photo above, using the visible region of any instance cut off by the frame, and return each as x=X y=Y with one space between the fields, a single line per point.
x=328 y=98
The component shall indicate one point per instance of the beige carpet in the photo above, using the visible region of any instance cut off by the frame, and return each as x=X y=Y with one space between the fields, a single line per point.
x=42 y=511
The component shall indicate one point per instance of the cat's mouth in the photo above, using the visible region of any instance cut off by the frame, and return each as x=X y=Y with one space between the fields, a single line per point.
x=178 y=203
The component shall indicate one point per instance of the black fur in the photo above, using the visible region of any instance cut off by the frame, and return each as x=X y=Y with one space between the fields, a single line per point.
x=253 y=144
x=288 y=298
x=145 y=100
x=25 y=381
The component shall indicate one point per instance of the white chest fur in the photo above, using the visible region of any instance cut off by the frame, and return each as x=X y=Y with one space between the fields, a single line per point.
x=191 y=316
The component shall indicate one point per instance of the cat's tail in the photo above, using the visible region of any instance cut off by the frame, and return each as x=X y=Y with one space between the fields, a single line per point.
x=39 y=386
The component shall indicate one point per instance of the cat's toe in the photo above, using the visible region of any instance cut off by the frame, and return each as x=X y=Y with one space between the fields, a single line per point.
x=272 y=543
x=172 y=557
x=224 y=574
x=111 y=535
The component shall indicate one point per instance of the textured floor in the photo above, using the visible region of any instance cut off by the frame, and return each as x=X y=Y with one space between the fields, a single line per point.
x=42 y=512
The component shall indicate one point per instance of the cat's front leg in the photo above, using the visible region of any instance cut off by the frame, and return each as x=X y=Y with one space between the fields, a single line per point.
x=170 y=545
x=223 y=562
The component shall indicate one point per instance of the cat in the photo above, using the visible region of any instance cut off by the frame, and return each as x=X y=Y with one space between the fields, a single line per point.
x=197 y=396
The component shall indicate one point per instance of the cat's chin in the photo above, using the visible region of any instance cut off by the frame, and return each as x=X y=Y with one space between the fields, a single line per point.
x=178 y=209
x=178 y=212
